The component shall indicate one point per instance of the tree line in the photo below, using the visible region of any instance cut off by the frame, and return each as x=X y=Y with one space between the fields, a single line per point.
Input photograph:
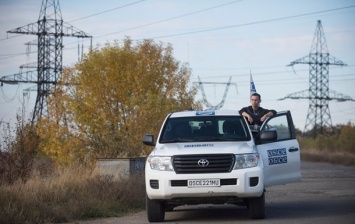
x=102 y=106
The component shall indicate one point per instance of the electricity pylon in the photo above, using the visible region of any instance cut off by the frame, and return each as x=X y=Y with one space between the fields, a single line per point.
x=318 y=93
x=50 y=30
x=205 y=101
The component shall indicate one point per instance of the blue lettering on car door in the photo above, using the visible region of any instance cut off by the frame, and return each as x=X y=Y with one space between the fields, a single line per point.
x=277 y=156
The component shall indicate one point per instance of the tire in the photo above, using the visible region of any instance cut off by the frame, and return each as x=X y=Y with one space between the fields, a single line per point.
x=257 y=207
x=155 y=210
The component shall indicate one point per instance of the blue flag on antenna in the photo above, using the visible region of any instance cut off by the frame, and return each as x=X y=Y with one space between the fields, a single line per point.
x=252 y=86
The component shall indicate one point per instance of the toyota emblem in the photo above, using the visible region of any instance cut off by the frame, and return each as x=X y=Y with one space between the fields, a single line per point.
x=203 y=162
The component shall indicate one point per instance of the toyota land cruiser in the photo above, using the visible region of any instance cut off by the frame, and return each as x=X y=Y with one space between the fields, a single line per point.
x=204 y=157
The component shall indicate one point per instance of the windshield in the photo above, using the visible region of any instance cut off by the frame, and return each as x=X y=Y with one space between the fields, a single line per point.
x=205 y=128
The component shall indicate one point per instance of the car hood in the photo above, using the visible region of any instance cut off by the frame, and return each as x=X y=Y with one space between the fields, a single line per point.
x=189 y=148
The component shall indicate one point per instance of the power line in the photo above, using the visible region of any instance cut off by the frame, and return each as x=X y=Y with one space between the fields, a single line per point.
x=272 y=73
x=253 y=23
x=283 y=82
x=85 y=17
x=109 y=10
x=212 y=29
x=248 y=68
x=169 y=19
x=10 y=37
x=218 y=28
x=137 y=27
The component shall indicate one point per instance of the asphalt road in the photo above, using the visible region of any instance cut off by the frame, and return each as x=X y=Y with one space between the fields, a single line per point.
x=325 y=195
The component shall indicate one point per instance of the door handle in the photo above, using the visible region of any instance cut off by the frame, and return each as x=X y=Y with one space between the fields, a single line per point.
x=293 y=149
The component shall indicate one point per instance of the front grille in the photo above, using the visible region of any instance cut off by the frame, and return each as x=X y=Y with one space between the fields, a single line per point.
x=228 y=181
x=179 y=183
x=183 y=183
x=217 y=163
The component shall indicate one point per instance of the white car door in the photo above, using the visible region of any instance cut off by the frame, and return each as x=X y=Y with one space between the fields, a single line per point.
x=281 y=157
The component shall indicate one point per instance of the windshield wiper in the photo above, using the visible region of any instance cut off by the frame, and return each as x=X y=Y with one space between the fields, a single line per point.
x=212 y=138
x=220 y=138
x=177 y=140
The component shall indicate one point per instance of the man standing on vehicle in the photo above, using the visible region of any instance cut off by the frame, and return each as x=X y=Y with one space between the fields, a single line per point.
x=254 y=113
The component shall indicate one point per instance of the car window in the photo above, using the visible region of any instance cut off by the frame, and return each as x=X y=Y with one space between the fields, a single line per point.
x=205 y=128
x=280 y=124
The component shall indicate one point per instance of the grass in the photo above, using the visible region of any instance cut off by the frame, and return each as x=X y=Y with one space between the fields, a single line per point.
x=73 y=193
x=338 y=148
x=342 y=158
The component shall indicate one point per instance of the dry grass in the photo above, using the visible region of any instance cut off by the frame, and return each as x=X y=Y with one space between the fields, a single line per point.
x=73 y=193
x=342 y=158
x=338 y=148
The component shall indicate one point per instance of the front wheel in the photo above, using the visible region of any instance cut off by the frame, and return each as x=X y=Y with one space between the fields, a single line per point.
x=155 y=210
x=257 y=207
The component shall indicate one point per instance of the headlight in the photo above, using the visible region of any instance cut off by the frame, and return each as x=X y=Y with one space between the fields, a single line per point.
x=246 y=160
x=160 y=163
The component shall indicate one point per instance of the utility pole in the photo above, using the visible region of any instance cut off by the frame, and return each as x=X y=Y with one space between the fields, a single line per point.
x=318 y=117
x=50 y=30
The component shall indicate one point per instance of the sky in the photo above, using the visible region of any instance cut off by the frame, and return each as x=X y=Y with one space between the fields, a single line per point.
x=219 y=39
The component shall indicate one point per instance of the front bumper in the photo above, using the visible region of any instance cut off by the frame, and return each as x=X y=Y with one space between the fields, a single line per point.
x=165 y=185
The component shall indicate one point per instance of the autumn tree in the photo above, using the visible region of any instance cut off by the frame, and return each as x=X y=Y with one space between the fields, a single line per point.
x=60 y=139
x=116 y=94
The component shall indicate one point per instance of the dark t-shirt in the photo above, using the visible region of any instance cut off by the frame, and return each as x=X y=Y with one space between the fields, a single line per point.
x=256 y=115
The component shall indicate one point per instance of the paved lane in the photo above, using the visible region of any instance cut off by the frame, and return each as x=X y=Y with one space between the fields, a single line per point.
x=325 y=195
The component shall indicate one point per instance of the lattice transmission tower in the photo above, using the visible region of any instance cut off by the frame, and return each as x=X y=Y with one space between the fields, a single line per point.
x=50 y=30
x=318 y=118
x=205 y=101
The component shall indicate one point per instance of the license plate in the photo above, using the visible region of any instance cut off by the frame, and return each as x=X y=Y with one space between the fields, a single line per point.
x=203 y=183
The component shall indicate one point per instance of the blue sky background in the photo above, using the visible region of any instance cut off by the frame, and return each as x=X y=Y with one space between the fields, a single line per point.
x=219 y=39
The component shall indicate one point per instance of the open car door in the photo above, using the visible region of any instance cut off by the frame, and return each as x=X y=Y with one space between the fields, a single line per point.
x=281 y=155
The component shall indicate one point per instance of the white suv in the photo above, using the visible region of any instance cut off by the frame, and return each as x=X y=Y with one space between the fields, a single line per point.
x=215 y=157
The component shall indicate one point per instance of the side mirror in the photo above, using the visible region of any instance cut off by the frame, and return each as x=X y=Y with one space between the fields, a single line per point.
x=268 y=136
x=148 y=139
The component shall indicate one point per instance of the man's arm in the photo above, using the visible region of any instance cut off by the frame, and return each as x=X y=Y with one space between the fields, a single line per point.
x=244 y=113
x=270 y=113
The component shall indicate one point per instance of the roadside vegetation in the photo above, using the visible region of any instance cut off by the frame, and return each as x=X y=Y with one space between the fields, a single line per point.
x=119 y=92
x=336 y=148
x=47 y=193
x=69 y=194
